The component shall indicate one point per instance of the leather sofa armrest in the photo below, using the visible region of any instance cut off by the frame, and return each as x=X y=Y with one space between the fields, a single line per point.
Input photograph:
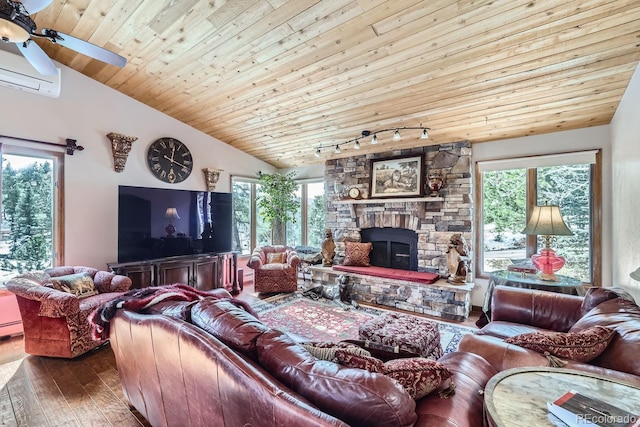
x=547 y=310
x=500 y=354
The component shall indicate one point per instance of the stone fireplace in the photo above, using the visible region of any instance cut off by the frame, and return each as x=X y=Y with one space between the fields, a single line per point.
x=430 y=221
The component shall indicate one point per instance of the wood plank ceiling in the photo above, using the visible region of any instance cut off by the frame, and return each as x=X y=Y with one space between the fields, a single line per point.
x=278 y=79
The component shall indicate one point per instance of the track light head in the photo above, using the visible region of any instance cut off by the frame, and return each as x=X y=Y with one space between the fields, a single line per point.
x=425 y=134
x=357 y=145
x=397 y=136
x=337 y=150
x=374 y=139
x=318 y=152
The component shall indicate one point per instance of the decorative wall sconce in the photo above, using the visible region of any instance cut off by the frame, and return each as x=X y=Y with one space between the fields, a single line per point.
x=211 y=176
x=121 y=147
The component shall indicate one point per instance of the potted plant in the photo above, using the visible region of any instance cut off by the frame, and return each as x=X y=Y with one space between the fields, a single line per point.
x=277 y=203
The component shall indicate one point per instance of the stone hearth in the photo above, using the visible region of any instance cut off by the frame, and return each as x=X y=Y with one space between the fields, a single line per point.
x=440 y=299
x=434 y=219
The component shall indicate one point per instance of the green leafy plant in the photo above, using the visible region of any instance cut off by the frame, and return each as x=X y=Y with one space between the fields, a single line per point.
x=277 y=202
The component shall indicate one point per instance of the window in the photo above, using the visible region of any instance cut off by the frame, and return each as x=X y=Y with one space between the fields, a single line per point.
x=508 y=187
x=250 y=230
x=30 y=227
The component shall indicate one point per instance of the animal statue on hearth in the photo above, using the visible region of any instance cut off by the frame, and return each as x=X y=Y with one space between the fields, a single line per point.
x=328 y=248
x=458 y=259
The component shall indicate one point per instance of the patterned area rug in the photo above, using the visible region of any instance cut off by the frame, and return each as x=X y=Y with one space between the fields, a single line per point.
x=322 y=320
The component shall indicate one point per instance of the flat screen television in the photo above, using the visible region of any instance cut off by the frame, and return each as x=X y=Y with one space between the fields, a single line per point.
x=202 y=224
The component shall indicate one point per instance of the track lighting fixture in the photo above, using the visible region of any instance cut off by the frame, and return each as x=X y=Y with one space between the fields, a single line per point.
x=374 y=138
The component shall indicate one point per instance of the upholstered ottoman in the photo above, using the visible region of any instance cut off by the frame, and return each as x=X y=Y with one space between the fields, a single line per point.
x=410 y=333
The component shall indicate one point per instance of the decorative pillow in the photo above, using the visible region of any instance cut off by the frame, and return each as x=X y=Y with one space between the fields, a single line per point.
x=419 y=376
x=351 y=360
x=275 y=257
x=327 y=350
x=581 y=346
x=79 y=284
x=357 y=254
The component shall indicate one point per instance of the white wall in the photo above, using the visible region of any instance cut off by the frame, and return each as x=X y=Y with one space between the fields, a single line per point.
x=625 y=131
x=558 y=142
x=87 y=111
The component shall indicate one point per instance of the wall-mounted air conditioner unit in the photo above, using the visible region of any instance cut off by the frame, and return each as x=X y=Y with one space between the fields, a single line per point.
x=17 y=73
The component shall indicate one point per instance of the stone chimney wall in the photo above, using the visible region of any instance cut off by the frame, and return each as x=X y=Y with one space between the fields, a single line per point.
x=434 y=219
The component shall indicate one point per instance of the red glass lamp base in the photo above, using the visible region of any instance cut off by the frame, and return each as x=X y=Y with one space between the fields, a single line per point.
x=548 y=263
x=170 y=229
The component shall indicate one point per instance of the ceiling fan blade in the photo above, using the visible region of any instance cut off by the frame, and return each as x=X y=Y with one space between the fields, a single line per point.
x=34 y=6
x=36 y=56
x=84 y=47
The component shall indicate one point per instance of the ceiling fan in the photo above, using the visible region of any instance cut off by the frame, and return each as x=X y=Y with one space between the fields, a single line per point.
x=16 y=26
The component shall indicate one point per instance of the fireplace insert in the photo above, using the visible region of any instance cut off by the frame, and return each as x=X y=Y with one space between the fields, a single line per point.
x=392 y=247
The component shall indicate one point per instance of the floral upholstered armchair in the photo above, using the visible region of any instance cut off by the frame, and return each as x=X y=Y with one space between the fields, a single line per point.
x=55 y=306
x=275 y=268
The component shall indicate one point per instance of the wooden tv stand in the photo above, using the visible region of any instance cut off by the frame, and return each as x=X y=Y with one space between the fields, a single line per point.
x=204 y=271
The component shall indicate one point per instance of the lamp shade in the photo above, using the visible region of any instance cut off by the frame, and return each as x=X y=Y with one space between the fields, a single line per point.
x=171 y=213
x=547 y=221
x=636 y=275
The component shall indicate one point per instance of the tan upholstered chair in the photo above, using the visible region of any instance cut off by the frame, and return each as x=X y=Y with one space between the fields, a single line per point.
x=275 y=268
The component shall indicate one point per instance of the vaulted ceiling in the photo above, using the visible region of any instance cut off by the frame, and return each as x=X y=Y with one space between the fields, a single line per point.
x=278 y=79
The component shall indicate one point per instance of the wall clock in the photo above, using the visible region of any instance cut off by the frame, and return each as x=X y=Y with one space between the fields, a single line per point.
x=169 y=160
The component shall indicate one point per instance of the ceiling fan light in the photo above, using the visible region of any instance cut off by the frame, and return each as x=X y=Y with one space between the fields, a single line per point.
x=397 y=136
x=374 y=139
x=425 y=134
x=12 y=32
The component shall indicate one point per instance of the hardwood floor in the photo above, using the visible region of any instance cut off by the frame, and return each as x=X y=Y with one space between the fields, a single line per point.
x=42 y=391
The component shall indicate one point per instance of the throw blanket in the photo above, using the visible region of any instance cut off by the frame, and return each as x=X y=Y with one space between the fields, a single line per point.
x=141 y=299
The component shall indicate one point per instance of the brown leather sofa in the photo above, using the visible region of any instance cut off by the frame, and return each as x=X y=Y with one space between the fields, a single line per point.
x=210 y=363
x=517 y=311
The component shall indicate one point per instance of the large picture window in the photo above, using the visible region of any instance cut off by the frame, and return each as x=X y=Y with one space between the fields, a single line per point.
x=251 y=230
x=31 y=221
x=509 y=188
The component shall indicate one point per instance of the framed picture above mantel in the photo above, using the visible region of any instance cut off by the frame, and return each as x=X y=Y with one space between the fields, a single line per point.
x=396 y=177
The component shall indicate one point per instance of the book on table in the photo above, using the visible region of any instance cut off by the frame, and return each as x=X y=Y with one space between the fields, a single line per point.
x=578 y=410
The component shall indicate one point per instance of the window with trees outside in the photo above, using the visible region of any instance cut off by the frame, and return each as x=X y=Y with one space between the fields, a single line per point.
x=30 y=233
x=250 y=230
x=507 y=188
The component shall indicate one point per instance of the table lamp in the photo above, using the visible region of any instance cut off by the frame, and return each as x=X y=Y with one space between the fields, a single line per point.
x=546 y=221
x=171 y=214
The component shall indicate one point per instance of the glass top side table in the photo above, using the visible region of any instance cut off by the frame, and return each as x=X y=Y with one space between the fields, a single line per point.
x=518 y=397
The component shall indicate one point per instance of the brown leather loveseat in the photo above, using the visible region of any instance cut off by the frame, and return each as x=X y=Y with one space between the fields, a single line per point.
x=213 y=364
x=518 y=311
